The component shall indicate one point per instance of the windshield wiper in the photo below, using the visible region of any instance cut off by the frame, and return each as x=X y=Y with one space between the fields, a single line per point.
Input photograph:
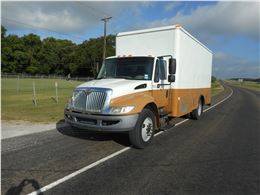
x=116 y=77
x=123 y=77
x=103 y=77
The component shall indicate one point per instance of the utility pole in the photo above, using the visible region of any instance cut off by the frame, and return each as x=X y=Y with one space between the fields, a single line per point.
x=105 y=20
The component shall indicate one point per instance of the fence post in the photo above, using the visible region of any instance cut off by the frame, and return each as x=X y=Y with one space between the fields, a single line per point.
x=56 y=92
x=34 y=95
x=18 y=84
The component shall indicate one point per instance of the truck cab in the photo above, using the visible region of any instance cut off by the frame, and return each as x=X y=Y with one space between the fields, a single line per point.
x=124 y=87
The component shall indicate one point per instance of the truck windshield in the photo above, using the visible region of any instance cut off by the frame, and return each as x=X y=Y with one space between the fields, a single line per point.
x=136 y=68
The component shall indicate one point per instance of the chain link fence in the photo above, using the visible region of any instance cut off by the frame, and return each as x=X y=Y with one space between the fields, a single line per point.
x=36 y=97
x=75 y=78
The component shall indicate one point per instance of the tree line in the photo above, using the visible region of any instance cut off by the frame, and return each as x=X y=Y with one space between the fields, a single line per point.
x=29 y=54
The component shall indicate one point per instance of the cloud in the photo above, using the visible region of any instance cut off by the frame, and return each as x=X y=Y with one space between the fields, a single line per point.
x=228 y=66
x=61 y=21
x=63 y=17
x=223 y=18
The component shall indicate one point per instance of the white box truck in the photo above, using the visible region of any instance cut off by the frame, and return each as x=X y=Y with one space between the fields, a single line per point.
x=157 y=74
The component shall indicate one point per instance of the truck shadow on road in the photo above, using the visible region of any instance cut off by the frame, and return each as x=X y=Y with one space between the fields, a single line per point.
x=16 y=190
x=65 y=129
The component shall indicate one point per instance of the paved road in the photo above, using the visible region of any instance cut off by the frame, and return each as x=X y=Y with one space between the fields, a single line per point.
x=218 y=154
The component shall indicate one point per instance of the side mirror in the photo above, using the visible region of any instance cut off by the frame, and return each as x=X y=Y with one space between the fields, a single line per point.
x=156 y=73
x=171 y=78
x=172 y=66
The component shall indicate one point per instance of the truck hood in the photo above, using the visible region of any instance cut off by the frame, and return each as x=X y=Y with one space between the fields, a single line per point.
x=120 y=87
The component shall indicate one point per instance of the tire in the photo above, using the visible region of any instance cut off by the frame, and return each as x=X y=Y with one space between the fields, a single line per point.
x=142 y=134
x=197 y=113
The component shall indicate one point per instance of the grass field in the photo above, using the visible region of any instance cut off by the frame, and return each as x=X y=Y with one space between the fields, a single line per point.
x=246 y=84
x=18 y=104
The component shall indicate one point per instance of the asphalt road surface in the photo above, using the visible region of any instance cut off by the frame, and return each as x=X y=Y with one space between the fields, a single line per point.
x=218 y=154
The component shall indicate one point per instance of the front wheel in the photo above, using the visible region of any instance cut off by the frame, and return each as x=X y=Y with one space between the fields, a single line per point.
x=143 y=133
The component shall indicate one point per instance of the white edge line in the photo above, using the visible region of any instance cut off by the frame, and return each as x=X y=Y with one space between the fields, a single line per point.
x=220 y=101
x=55 y=183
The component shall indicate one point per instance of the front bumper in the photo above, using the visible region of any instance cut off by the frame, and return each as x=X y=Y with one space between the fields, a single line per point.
x=105 y=123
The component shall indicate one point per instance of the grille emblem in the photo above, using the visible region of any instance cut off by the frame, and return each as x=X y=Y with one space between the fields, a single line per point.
x=87 y=92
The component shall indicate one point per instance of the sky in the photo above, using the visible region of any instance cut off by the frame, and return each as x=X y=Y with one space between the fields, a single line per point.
x=230 y=29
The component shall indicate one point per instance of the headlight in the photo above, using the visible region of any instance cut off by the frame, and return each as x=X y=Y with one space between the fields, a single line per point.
x=121 y=109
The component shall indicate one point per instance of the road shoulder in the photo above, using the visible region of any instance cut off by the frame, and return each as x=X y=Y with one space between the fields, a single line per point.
x=11 y=129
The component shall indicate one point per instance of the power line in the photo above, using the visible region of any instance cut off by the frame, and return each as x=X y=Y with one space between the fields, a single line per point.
x=91 y=8
x=64 y=34
x=43 y=28
x=94 y=14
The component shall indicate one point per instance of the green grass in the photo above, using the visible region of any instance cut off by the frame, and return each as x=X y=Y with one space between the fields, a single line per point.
x=246 y=84
x=18 y=105
x=216 y=88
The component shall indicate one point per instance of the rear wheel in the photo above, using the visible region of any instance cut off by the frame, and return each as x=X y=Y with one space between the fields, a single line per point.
x=143 y=133
x=197 y=113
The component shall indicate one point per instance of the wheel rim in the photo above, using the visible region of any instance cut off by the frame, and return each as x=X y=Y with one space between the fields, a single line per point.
x=147 y=129
x=199 y=108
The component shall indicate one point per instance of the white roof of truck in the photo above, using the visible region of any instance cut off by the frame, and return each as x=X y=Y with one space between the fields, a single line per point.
x=161 y=29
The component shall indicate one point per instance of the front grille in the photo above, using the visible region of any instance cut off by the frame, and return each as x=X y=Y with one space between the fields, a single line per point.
x=95 y=101
x=89 y=100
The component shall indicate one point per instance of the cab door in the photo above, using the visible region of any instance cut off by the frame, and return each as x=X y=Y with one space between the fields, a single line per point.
x=160 y=87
